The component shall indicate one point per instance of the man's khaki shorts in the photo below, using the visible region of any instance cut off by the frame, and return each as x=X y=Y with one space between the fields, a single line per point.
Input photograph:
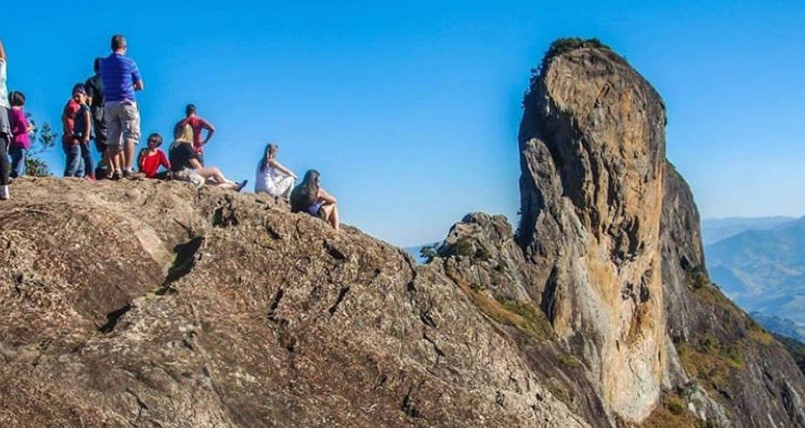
x=122 y=122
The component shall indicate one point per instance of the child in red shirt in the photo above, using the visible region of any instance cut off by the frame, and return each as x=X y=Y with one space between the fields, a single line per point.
x=151 y=158
x=77 y=131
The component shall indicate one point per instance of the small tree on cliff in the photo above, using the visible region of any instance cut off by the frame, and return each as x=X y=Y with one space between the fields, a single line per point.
x=43 y=140
x=429 y=252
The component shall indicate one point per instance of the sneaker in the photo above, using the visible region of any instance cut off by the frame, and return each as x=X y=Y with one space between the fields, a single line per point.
x=90 y=178
x=117 y=175
x=131 y=175
x=241 y=185
x=4 y=193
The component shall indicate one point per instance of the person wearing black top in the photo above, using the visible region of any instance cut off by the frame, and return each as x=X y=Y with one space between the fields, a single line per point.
x=182 y=156
x=94 y=90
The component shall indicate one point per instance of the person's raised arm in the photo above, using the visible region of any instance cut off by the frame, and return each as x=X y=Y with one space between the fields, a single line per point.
x=139 y=85
x=163 y=160
x=276 y=165
x=87 y=126
x=195 y=163
x=210 y=131
x=326 y=197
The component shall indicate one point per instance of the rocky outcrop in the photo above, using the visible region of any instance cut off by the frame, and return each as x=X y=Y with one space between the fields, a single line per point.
x=592 y=153
x=153 y=304
x=741 y=374
x=481 y=255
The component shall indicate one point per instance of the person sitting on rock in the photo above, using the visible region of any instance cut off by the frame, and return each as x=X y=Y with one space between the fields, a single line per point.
x=272 y=177
x=310 y=198
x=184 y=157
x=151 y=158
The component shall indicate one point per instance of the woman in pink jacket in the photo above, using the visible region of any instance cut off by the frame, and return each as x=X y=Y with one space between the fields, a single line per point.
x=20 y=128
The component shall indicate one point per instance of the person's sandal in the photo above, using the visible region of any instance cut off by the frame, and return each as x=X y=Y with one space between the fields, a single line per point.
x=241 y=185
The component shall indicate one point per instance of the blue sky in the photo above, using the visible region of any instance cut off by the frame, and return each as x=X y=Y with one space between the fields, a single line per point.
x=410 y=109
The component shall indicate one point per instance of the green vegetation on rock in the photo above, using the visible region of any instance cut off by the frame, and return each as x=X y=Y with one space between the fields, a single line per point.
x=795 y=348
x=672 y=413
x=557 y=48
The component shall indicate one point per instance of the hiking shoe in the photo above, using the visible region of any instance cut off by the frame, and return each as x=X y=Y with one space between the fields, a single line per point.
x=117 y=175
x=241 y=185
x=131 y=175
x=4 y=193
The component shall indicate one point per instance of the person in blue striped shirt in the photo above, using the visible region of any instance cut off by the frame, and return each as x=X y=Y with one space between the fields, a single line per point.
x=120 y=78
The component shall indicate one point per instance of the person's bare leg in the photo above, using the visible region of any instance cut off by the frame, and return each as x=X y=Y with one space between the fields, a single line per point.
x=128 y=154
x=113 y=157
x=334 y=220
x=288 y=182
x=228 y=186
x=331 y=215
x=214 y=174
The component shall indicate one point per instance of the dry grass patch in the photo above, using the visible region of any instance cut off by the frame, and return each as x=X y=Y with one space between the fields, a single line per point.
x=672 y=413
x=522 y=315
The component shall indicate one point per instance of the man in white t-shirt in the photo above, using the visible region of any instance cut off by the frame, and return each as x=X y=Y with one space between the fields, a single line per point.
x=5 y=127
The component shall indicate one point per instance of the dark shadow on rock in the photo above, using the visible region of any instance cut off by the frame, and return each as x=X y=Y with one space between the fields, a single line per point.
x=182 y=264
x=112 y=319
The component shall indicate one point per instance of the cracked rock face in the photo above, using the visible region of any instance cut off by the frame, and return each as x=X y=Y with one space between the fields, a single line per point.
x=153 y=304
x=592 y=154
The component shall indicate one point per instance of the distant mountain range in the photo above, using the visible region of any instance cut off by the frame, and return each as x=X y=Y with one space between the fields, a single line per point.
x=780 y=326
x=716 y=229
x=760 y=264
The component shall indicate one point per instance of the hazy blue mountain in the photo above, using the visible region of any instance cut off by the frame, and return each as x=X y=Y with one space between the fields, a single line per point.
x=781 y=326
x=763 y=270
x=716 y=229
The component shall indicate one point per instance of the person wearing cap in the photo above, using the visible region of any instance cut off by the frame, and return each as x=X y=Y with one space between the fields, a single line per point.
x=198 y=124
x=77 y=128
x=151 y=158
x=120 y=78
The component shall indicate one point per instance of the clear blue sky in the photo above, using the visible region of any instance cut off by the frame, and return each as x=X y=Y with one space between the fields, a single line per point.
x=410 y=109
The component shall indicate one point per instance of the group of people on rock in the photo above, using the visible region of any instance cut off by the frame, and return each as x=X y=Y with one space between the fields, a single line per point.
x=103 y=109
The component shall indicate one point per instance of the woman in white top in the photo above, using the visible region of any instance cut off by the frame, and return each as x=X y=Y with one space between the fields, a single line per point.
x=5 y=127
x=272 y=177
